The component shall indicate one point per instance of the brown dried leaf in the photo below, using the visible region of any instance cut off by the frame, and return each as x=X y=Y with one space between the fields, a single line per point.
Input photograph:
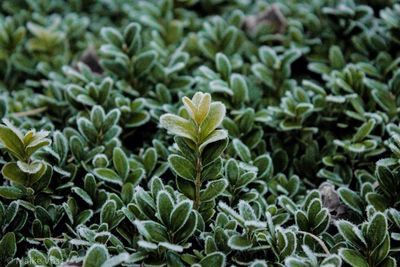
x=331 y=200
x=270 y=17
x=90 y=58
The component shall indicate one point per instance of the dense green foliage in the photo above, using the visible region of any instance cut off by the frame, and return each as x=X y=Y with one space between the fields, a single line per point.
x=200 y=133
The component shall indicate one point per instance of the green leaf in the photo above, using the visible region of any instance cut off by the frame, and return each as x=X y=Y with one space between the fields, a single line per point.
x=261 y=263
x=185 y=147
x=212 y=170
x=108 y=212
x=86 y=100
x=178 y=126
x=165 y=205
x=137 y=119
x=180 y=214
x=213 y=189
x=121 y=164
x=237 y=242
x=382 y=250
x=242 y=150
x=336 y=57
x=186 y=187
x=95 y=256
x=353 y=257
x=132 y=37
x=145 y=202
x=112 y=118
x=267 y=55
x=36 y=144
x=37 y=257
x=182 y=167
x=83 y=195
x=246 y=211
x=112 y=36
x=302 y=220
x=288 y=125
x=11 y=192
x=104 y=91
x=147 y=245
x=116 y=260
x=239 y=88
x=150 y=159
x=231 y=212
x=207 y=48
x=12 y=172
x=144 y=62
x=314 y=207
x=295 y=262
x=41 y=179
x=215 y=136
x=174 y=259
x=333 y=259
x=215 y=259
x=186 y=231
x=245 y=179
x=31 y=168
x=84 y=216
x=351 y=199
x=60 y=145
x=8 y=246
x=107 y=175
x=97 y=116
x=263 y=74
x=12 y=142
x=388 y=262
x=232 y=171
x=377 y=229
x=135 y=176
x=152 y=231
x=386 y=179
x=223 y=65
x=385 y=100
x=172 y=247
x=364 y=130
x=377 y=200
x=351 y=233
x=198 y=107
x=213 y=119
x=87 y=129
x=213 y=151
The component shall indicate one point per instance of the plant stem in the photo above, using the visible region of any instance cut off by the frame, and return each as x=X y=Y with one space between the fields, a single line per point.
x=50 y=238
x=8 y=71
x=29 y=112
x=197 y=183
x=316 y=238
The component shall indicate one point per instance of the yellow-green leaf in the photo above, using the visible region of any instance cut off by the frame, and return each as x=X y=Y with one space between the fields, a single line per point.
x=178 y=126
x=12 y=142
x=12 y=172
x=213 y=119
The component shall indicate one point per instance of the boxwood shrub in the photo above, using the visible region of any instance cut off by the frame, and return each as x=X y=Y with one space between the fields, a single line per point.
x=203 y=133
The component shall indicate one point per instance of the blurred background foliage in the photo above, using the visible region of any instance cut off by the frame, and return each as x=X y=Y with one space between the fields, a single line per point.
x=308 y=174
